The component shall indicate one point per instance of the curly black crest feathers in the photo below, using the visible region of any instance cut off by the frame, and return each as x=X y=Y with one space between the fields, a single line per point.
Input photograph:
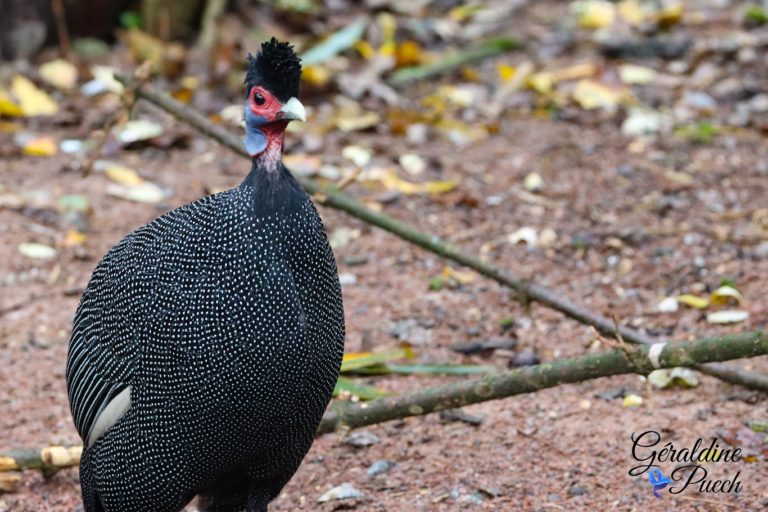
x=277 y=68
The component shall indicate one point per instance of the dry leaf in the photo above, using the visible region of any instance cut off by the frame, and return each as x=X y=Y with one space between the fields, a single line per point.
x=32 y=100
x=534 y=182
x=526 y=235
x=727 y=316
x=60 y=73
x=8 y=107
x=631 y=11
x=412 y=163
x=137 y=130
x=632 y=401
x=726 y=294
x=145 y=193
x=693 y=301
x=122 y=175
x=74 y=238
x=590 y=94
x=594 y=14
x=40 y=146
x=358 y=155
x=37 y=251
x=632 y=74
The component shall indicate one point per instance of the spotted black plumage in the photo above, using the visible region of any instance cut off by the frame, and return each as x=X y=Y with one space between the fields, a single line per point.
x=223 y=321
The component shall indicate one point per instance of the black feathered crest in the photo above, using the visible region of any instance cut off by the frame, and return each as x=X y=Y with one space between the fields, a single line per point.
x=277 y=68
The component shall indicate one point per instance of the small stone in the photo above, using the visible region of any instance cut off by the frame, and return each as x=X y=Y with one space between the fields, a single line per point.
x=699 y=101
x=347 y=279
x=577 y=490
x=361 y=439
x=761 y=251
x=759 y=103
x=344 y=491
x=355 y=260
x=668 y=305
x=380 y=467
x=460 y=415
x=524 y=358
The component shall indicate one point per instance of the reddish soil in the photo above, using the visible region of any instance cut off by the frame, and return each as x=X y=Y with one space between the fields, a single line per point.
x=628 y=235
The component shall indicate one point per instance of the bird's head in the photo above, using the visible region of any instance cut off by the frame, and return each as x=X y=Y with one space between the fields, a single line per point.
x=272 y=89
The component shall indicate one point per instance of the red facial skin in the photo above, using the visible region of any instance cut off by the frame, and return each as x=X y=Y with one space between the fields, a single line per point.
x=270 y=109
x=273 y=128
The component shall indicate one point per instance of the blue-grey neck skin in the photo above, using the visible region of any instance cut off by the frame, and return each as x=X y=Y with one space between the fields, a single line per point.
x=255 y=139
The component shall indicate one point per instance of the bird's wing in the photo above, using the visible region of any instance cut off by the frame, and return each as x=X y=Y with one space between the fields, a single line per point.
x=104 y=337
x=131 y=289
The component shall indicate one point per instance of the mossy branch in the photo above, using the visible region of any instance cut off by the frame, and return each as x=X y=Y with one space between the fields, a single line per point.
x=334 y=198
x=348 y=415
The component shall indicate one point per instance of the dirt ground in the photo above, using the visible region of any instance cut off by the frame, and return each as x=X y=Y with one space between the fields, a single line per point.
x=628 y=234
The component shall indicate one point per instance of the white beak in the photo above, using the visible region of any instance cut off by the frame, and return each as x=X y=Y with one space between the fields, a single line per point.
x=293 y=109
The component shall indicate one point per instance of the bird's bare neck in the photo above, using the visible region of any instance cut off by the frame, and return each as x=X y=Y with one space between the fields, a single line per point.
x=269 y=159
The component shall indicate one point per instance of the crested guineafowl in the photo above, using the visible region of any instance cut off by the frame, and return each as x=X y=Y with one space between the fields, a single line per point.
x=207 y=344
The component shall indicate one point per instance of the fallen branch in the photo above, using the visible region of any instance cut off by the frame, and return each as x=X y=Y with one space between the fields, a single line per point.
x=344 y=415
x=348 y=415
x=48 y=459
x=454 y=60
x=340 y=201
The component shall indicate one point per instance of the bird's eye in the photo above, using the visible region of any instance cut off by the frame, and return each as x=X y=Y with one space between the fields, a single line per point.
x=259 y=99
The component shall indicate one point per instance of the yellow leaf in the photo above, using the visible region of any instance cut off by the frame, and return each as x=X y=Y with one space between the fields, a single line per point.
x=671 y=14
x=632 y=74
x=541 y=82
x=439 y=187
x=60 y=73
x=41 y=146
x=726 y=294
x=631 y=11
x=355 y=355
x=505 y=71
x=459 y=277
x=316 y=75
x=590 y=94
x=74 y=238
x=388 y=26
x=693 y=301
x=365 y=49
x=594 y=14
x=408 y=53
x=8 y=107
x=32 y=100
x=632 y=401
x=123 y=175
x=575 y=72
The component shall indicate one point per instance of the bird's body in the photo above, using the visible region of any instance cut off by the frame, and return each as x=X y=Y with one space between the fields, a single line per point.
x=222 y=325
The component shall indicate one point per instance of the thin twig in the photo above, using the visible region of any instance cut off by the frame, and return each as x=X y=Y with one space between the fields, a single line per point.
x=60 y=17
x=529 y=290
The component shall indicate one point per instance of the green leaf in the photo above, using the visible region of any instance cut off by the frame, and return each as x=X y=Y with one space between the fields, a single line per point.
x=428 y=369
x=376 y=358
x=436 y=284
x=335 y=44
x=756 y=14
x=346 y=385
x=130 y=20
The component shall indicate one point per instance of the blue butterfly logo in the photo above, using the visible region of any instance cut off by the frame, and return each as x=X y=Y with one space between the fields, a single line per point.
x=658 y=481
